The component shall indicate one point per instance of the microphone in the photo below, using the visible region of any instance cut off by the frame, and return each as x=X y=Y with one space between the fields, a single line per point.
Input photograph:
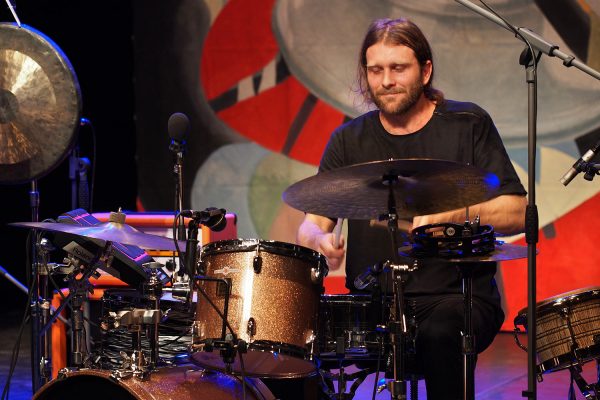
x=178 y=127
x=369 y=276
x=577 y=167
x=212 y=217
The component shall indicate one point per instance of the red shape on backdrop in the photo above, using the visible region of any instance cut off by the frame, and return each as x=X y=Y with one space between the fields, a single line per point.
x=559 y=269
x=335 y=285
x=266 y=118
x=315 y=134
x=239 y=44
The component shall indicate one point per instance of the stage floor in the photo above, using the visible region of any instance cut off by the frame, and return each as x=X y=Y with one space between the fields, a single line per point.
x=501 y=370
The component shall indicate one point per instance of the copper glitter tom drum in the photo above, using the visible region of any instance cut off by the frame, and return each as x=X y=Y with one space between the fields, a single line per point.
x=273 y=306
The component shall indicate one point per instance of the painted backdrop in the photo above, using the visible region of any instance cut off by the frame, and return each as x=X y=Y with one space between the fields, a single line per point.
x=265 y=82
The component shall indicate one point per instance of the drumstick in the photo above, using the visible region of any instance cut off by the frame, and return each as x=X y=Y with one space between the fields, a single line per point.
x=337 y=231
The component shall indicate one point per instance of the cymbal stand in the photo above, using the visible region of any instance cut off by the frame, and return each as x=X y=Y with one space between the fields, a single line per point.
x=397 y=325
x=78 y=289
x=468 y=344
x=153 y=289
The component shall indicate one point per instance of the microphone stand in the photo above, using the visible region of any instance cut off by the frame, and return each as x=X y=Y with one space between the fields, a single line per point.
x=531 y=219
x=178 y=149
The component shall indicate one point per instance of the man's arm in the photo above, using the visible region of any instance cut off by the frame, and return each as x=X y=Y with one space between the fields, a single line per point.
x=506 y=213
x=315 y=233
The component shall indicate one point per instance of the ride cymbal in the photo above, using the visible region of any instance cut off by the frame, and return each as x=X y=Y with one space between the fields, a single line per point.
x=420 y=187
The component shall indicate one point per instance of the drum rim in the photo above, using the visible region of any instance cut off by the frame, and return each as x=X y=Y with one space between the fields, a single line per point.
x=258 y=387
x=567 y=298
x=267 y=347
x=270 y=246
x=565 y=361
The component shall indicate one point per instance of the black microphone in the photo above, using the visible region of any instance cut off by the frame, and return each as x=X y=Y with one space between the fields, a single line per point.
x=577 y=167
x=178 y=128
x=212 y=217
x=369 y=276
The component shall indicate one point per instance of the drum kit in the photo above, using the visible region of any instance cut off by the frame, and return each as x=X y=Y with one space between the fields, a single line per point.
x=250 y=311
x=258 y=313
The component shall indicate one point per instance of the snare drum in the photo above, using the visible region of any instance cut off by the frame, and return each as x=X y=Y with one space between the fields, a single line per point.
x=347 y=324
x=174 y=332
x=273 y=305
x=183 y=382
x=568 y=329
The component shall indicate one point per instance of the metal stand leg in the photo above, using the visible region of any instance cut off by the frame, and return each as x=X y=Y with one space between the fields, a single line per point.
x=589 y=390
x=468 y=337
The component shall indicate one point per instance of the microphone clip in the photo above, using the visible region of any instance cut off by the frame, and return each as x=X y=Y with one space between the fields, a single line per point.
x=177 y=146
x=211 y=217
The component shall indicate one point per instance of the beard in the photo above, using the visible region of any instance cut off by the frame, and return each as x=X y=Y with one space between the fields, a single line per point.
x=401 y=106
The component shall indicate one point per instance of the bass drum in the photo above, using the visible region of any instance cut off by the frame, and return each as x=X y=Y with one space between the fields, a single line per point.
x=181 y=383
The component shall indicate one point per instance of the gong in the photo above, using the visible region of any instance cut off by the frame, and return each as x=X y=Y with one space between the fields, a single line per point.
x=40 y=104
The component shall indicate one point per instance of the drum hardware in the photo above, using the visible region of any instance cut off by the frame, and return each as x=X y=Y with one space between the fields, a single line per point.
x=153 y=290
x=327 y=379
x=211 y=217
x=229 y=345
x=461 y=245
x=135 y=321
x=174 y=327
x=590 y=170
x=79 y=286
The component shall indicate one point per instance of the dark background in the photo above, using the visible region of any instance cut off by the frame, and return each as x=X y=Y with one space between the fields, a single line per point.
x=96 y=37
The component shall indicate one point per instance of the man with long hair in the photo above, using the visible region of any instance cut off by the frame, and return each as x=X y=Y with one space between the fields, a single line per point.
x=412 y=119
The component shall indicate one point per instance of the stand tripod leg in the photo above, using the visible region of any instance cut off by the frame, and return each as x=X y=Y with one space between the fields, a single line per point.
x=589 y=391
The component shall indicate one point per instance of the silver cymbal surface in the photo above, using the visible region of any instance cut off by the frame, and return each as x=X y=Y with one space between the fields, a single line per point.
x=109 y=232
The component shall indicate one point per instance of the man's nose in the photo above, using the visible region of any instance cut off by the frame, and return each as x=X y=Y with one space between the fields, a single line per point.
x=387 y=81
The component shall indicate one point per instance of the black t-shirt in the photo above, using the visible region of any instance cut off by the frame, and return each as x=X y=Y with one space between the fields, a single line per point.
x=457 y=131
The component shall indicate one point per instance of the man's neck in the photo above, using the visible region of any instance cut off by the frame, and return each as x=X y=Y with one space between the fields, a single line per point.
x=410 y=121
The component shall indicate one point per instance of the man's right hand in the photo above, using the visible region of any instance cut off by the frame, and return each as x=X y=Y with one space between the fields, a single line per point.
x=326 y=245
x=315 y=232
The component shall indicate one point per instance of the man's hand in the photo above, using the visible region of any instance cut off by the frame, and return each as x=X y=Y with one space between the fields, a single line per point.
x=315 y=232
x=326 y=245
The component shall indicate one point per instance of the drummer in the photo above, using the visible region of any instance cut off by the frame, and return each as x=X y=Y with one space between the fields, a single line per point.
x=412 y=119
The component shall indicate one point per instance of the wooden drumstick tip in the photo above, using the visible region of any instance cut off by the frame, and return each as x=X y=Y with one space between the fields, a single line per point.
x=337 y=232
